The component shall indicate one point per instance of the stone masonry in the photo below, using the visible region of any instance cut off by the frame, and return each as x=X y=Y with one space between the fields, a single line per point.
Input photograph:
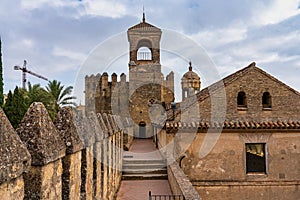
x=14 y=160
x=77 y=158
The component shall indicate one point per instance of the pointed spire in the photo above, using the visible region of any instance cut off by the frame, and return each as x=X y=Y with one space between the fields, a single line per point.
x=190 y=67
x=144 y=19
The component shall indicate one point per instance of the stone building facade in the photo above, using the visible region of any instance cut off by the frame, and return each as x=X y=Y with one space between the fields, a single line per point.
x=251 y=151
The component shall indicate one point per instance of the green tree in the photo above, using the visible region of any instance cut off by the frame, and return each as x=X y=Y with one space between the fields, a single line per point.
x=7 y=108
x=15 y=107
x=1 y=77
x=61 y=96
x=36 y=93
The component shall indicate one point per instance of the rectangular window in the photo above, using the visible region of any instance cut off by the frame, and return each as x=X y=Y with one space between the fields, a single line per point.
x=255 y=158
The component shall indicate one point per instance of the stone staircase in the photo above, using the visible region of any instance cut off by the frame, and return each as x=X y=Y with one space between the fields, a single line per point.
x=142 y=169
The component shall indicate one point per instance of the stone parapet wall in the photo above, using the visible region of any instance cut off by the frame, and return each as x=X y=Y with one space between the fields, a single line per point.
x=219 y=190
x=79 y=156
x=14 y=161
x=13 y=189
x=180 y=184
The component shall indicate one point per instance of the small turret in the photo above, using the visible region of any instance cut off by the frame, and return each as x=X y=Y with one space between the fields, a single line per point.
x=190 y=83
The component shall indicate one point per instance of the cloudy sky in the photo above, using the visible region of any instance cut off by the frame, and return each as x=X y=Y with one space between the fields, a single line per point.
x=57 y=37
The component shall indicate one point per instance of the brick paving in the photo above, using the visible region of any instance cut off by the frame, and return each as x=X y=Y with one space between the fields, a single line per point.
x=142 y=149
x=139 y=189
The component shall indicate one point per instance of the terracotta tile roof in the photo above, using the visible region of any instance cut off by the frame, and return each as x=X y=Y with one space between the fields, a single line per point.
x=234 y=125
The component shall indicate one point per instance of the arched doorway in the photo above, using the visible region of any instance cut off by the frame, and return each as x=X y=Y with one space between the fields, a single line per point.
x=142 y=129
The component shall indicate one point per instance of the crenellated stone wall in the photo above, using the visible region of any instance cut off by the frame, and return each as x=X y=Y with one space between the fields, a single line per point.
x=14 y=160
x=133 y=99
x=79 y=156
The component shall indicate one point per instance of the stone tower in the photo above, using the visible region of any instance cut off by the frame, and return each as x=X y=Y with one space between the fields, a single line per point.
x=146 y=81
x=190 y=83
x=146 y=96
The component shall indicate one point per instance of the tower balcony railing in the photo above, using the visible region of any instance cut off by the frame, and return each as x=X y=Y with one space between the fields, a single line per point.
x=144 y=56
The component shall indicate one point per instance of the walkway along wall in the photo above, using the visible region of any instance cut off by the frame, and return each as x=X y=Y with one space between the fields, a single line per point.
x=178 y=181
x=76 y=157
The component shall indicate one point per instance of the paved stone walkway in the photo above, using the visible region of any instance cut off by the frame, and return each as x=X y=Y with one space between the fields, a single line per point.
x=139 y=189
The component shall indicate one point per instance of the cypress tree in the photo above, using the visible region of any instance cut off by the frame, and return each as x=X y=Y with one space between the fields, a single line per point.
x=1 y=76
x=8 y=109
x=15 y=107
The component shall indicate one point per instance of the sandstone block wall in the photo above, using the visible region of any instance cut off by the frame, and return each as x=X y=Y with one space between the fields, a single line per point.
x=14 y=161
x=285 y=100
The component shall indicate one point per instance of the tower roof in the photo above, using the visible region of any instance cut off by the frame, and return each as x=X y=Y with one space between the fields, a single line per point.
x=190 y=74
x=144 y=26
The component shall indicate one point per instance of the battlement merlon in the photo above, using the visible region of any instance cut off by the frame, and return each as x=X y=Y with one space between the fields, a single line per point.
x=169 y=81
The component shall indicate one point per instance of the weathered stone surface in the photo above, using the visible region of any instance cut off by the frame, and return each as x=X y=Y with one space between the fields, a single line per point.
x=97 y=174
x=113 y=123
x=71 y=177
x=95 y=126
x=40 y=136
x=44 y=182
x=107 y=123
x=180 y=184
x=119 y=122
x=102 y=125
x=87 y=159
x=13 y=189
x=84 y=128
x=14 y=156
x=66 y=125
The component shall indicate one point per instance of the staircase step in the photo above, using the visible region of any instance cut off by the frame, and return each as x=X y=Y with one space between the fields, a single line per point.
x=127 y=161
x=144 y=171
x=143 y=166
x=144 y=176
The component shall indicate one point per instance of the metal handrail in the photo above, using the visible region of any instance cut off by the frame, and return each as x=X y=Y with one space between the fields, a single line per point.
x=166 y=196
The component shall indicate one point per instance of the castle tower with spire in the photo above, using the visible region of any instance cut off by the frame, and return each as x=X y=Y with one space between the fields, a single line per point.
x=146 y=88
x=146 y=85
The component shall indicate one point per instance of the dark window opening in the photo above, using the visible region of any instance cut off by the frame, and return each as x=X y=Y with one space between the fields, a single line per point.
x=241 y=99
x=103 y=92
x=266 y=100
x=142 y=130
x=255 y=158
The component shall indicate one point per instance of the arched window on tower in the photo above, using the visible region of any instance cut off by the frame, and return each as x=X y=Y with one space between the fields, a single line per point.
x=144 y=53
x=242 y=100
x=266 y=100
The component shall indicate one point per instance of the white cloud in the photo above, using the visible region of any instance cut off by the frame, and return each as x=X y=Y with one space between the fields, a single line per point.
x=105 y=8
x=218 y=37
x=278 y=11
x=77 y=56
x=27 y=43
x=35 y=4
